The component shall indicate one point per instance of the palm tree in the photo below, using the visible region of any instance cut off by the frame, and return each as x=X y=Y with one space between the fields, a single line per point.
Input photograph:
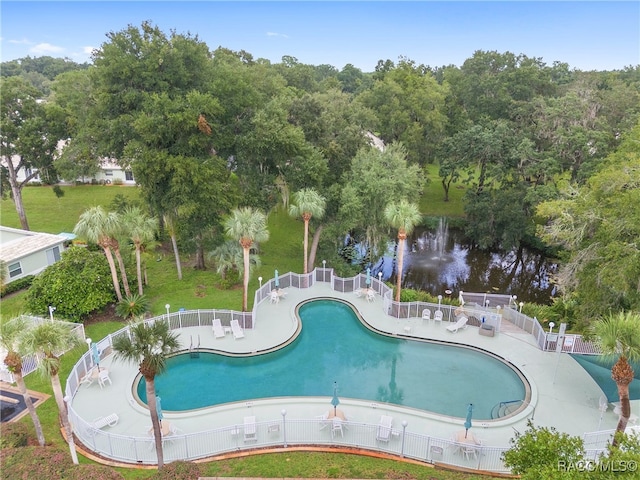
x=248 y=226
x=10 y=333
x=46 y=340
x=307 y=203
x=404 y=216
x=141 y=229
x=618 y=335
x=148 y=346
x=229 y=256
x=97 y=226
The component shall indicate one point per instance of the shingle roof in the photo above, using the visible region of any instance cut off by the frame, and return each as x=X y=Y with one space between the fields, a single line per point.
x=16 y=244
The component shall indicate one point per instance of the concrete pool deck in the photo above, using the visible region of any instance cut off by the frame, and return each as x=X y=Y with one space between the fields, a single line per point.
x=564 y=395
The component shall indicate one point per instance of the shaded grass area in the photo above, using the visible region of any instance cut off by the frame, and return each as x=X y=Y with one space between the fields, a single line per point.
x=198 y=289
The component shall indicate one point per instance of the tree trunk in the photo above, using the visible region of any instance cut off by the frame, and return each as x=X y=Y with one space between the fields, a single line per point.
x=155 y=422
x=314 y=246
x=245 y=283
x=114 y=272
x=625 y=410
x=139 y=270
x=16 y=191
x=199 y=253
x=176 y=254
x=306 y=217
x=17 y=375
x=401 y=239
x=123 y=272
x=64 y=416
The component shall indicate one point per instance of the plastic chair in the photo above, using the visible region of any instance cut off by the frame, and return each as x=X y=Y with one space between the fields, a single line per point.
x=103 y=378
x=426 y=314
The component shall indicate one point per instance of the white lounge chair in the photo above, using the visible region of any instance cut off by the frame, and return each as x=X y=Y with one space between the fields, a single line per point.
x=426 y=314
x=109 y=420
x=437 y=317
x=218 y=329
x=236 y=329
x=103 y=377
x=460 y=324
x=250 y=432
x=384 y=428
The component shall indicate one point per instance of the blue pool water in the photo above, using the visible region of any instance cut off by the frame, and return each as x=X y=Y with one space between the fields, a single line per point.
x=335 y=347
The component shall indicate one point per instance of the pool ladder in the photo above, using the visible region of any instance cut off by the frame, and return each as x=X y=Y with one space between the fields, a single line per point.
x=193 y=349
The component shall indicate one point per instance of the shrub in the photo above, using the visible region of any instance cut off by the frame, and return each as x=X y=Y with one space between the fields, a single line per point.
x=118 y=181
x=132 y=306
x=408 y=295
x=17 y=285
x=14 y=435
x=77 y=285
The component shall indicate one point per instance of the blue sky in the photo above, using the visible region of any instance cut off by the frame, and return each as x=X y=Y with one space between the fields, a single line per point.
x=586 y=35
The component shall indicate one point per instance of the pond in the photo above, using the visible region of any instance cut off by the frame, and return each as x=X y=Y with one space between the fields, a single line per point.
x=441 y=259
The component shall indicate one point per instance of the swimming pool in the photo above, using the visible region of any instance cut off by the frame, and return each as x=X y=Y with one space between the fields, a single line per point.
x=334 y=346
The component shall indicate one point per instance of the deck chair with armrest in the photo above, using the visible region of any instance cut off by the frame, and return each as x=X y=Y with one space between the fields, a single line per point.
x=236 y=329
x=437 y=317
x=426 y=314
x=107 y=421
x=384 y=428
x=460 y=324
x=218 y=331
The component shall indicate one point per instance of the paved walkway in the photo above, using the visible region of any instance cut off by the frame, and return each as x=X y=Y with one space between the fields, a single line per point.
x=564 y=396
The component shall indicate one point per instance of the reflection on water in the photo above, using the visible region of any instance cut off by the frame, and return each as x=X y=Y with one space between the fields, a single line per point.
x=438 y=260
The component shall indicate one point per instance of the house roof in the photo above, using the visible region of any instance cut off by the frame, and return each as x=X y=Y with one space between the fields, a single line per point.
x=16 y=244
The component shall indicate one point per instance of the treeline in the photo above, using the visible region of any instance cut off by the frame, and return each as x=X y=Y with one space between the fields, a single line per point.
x=205 y=131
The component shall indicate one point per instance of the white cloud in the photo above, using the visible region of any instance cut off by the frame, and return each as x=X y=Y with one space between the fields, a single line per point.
x=88 y=50
x=24 y=41
x=44 y=48
x=274 y=34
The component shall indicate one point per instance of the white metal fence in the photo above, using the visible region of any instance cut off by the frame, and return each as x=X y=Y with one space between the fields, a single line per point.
x=282 y=431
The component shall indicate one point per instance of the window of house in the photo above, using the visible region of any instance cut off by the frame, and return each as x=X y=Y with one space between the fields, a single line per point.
x=53 y=255
x=15 y=269
x=108 y=173
x=128 y=175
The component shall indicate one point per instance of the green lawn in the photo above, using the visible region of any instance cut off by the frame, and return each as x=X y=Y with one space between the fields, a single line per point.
x=197 y=289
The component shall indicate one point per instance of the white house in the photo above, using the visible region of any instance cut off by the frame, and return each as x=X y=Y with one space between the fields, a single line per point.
x=28 y=253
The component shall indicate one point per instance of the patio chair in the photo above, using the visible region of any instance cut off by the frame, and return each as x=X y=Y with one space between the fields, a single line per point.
x=323 y=420
x=371 y=295
x=236 y=329
x=274 y=297
x=108 y=421
x=437 y=317
x=426 y=314
x=103 y=377
x=218 y=331
x=88 y=378
x=460 y=324
x=384 y=428
x=336 y=427
x=250 y=432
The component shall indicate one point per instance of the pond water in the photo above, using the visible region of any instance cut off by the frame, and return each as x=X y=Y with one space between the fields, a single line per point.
x=440 y=260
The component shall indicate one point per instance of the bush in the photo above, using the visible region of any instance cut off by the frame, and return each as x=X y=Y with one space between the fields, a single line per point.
x=118 y=181
x=17 y=285
x=132 y=306
x=14 y=435
x=77 y=285
x=179 y=470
